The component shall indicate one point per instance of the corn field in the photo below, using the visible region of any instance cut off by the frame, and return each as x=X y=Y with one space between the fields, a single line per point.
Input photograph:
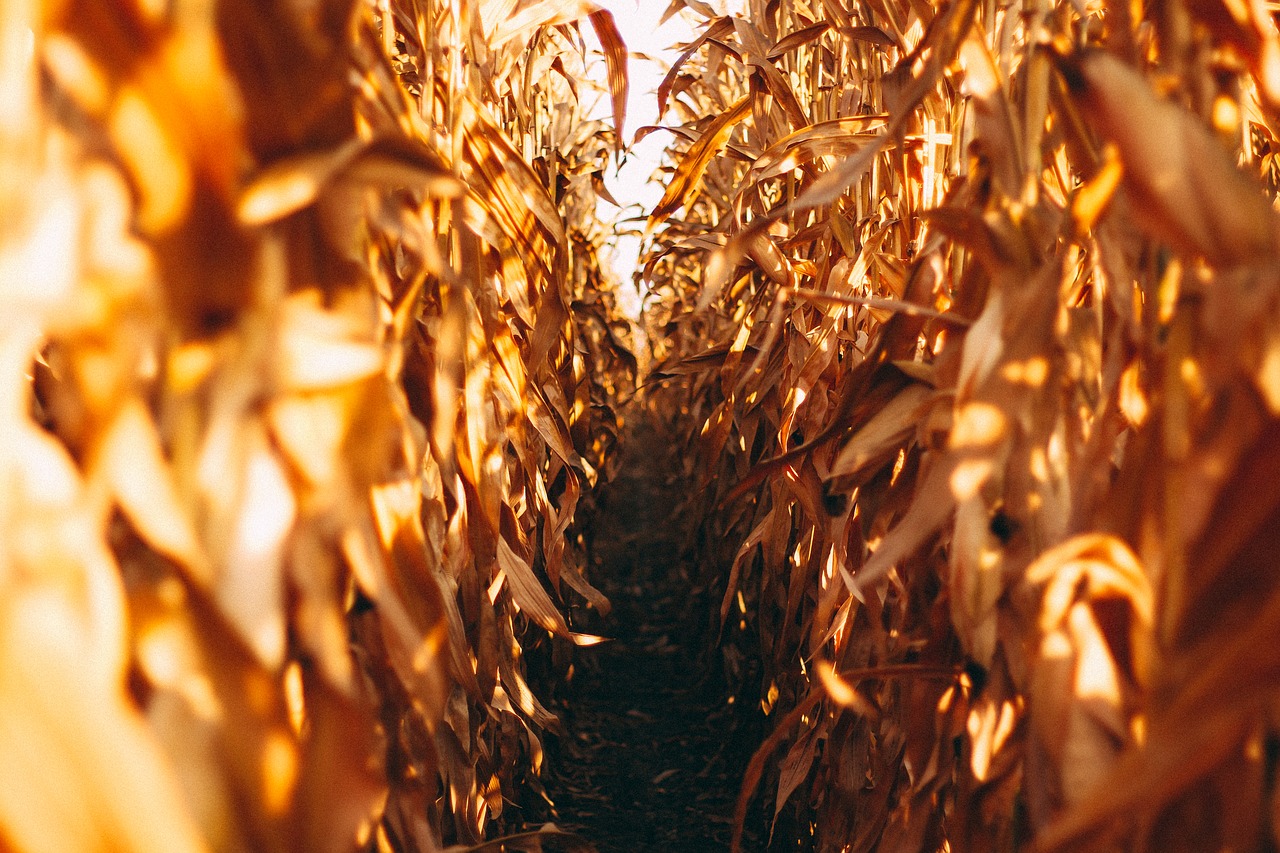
x=957 y=380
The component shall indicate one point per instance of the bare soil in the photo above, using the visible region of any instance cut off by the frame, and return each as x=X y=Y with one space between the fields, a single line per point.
x=654 y=749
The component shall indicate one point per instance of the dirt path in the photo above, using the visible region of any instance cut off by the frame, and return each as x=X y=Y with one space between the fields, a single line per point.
x=653 y=756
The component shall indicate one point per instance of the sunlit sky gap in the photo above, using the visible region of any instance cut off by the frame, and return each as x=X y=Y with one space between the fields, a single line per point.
x=652 y=49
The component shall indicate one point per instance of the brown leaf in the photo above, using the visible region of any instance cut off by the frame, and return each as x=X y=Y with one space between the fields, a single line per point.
x=615 y=57
x=882 y=434
x=133 y=462
x=690 y=170
x=295 y=182
x=1184 y=185
x=92 y=776
x=532 y=598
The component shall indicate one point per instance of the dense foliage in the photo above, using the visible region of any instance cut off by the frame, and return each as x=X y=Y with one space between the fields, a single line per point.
x=972 y=308
x=308 y=369
x=966 y=315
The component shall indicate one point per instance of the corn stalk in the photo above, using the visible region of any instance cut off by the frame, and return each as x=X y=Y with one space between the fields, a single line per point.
x=973 y=310
x=308 y=368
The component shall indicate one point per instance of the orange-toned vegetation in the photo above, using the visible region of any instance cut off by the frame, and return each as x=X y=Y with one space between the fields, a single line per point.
x=309 y=372
x=973 y=308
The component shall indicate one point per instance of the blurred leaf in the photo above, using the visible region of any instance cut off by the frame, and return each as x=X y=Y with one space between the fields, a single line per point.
x=695 y=161
x=615 y=56
x=1184 y=185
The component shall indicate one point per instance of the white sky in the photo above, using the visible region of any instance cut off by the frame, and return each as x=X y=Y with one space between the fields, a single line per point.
x=652 y=50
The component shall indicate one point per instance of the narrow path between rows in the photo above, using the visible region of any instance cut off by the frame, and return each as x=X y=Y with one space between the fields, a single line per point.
x=653 y=751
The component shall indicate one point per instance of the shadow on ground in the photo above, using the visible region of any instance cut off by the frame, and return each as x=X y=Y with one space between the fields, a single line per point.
x=653 y=750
